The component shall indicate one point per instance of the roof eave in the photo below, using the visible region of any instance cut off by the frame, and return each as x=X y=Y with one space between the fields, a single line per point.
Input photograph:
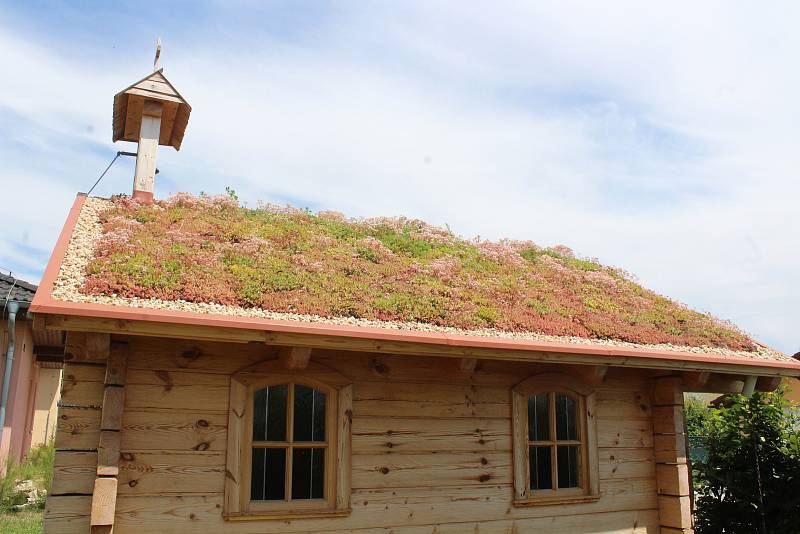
x=273 y=330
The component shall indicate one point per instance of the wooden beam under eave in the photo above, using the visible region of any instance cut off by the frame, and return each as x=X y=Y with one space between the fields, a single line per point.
x=768 y=383
x=360 y=344
x=295 y=358
x=83 y=346
x=461 y=367
x=693 y=380
x=722 y=383
x=591 y=374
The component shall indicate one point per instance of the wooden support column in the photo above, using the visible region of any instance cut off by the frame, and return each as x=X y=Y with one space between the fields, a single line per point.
x=672 y=470
x=104 y=496
x=144 y=177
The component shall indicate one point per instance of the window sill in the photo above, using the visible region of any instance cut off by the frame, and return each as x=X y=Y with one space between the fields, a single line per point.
x=550 y=501
x=284 y=515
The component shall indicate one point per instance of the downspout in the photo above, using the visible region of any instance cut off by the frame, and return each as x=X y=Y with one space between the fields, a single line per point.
x=13 y=308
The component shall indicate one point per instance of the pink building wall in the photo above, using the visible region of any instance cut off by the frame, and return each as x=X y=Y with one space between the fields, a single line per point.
x=19 y=412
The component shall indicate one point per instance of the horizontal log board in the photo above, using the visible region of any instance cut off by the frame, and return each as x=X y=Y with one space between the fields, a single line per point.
x=61 y=519
x=376 y=508
x=197 y=356
x=421 y=400
x=73 y=472
x=461 y=469
x=175 y=431
x=151 y=473
x=431 y=447
x=195 y=399
x=431 y=470
x=78 y=428
x=624 y=433
x=147 y=472
x=74 y=393
x=404 y=435
x=617 y=463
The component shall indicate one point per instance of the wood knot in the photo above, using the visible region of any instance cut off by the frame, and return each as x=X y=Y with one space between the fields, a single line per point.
x=191 y=354
x=385 y=470
x=484 y=461
x=482 y=441
x=379 y=367
x=202 y=423
x=389 y=444
x=164 y=376
x=133 y=483
x=485 y=478
x=192 y=516
x=128 y=457
x=202 y=446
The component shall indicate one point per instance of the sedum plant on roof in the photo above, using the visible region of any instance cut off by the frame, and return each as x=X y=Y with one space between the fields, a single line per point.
x=212 y=250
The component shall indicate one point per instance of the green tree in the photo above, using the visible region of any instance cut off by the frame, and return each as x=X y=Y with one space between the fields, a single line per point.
x=746 y=465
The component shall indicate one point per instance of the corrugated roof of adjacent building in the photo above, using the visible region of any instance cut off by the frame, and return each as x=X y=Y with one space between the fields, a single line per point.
x=12 y=288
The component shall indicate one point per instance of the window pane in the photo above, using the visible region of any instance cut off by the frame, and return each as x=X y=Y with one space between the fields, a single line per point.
x=269 y=413
x=268 y=477
x=539 y=418
x=308 y=473
x=309 y=414
x=568 y=466
x=541 y=468
x=566 y=417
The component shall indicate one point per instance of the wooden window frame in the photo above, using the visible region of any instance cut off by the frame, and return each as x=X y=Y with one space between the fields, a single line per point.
x=553 y=384
x=338 y=419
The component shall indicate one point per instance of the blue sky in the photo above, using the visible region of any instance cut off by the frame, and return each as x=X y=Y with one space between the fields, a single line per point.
x=662 y=139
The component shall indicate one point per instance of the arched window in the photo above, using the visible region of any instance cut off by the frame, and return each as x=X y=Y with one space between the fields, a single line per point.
x=555 y=446
x=288 y=443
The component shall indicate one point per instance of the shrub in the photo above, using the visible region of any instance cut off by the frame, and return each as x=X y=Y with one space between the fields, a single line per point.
x=746 y=465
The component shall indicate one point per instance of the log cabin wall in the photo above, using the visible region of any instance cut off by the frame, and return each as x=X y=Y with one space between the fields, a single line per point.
x=431 y=446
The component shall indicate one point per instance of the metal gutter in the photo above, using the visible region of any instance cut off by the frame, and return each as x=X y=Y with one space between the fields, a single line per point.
x=43 y=303
x=13 y=308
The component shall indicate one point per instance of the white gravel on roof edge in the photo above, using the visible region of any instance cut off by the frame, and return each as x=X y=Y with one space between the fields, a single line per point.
x=88 y=231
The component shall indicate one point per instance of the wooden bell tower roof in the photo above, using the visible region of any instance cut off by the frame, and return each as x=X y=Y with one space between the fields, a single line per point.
x=129 y=106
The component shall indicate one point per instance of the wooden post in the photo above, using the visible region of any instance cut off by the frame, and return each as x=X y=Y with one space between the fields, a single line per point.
x=144 y=177
x=104 y=496
x=672 y=470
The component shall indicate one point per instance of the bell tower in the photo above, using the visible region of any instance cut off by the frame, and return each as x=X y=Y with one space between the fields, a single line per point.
x=150 y=112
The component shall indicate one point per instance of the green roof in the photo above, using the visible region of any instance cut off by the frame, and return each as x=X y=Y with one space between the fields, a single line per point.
x=397 y=270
